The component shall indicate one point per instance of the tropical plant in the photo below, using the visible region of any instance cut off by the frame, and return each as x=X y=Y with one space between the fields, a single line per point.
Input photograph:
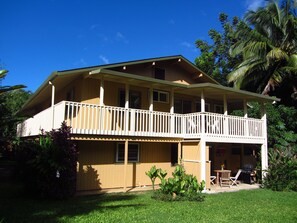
x=282 y=170
x=11 y=100
x=214 y=58
x=48 y=167
x=268 y=46
x=180 y=186
x=153 y=173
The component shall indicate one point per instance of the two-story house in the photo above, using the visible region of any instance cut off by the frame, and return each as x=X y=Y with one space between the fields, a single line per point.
x=126 y=117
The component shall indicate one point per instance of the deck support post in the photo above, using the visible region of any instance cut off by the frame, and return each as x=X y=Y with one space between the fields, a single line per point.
x=179 y=161
x=203 y=141
x=125 y=164
x=264 y=146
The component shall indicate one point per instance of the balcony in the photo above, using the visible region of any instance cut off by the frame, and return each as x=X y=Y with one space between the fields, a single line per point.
x=91 y=119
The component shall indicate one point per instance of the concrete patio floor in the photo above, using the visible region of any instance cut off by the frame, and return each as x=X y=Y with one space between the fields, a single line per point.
x=213 y=190
x=241 y=186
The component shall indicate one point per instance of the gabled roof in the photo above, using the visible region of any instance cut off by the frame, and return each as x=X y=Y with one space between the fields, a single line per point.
x=184 y=62
x=62 y=78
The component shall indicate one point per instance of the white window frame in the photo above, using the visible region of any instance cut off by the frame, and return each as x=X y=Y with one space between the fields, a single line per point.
x=159 y=96
x=129 y=149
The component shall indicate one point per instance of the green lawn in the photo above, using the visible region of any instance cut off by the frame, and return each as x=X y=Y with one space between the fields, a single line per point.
x=244 y=206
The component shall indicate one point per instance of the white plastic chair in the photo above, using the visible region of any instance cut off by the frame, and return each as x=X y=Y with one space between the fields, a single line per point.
x=212 y=179
x=234 y=179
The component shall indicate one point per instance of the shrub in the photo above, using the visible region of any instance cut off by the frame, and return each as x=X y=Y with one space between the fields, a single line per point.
x=181 y=186
x=282 y=171
x=49 y=167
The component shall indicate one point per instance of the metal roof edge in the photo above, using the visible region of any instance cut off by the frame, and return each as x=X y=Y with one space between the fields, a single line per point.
x=203 y=85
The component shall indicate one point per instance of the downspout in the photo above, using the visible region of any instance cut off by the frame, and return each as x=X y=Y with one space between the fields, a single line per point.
x=53 y=103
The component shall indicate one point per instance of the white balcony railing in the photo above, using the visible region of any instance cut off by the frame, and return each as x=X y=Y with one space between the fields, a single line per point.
x=108 y=120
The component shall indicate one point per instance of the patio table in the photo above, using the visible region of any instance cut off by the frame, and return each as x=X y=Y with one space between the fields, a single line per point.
x=219 y=172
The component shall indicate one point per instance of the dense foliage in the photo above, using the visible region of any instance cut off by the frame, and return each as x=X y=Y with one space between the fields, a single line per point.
x=268 y=48
x=10 y=103
x=281 y=124
x=11 y=100
x=215 y=59
x=180 y=186
x=48 y=167
x=282 y=172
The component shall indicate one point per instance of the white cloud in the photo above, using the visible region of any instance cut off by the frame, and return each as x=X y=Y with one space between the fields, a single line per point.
x=121 y=37
x=94 y=26
x=254 y=4
x=81 y=62
x=104 y=59
x=187 y=44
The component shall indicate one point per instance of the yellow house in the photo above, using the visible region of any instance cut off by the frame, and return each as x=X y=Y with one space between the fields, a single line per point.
x=126 y=117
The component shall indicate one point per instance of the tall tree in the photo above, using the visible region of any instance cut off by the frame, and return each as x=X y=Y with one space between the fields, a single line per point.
x=268 y=46
x=215 y=59
x=11 y=100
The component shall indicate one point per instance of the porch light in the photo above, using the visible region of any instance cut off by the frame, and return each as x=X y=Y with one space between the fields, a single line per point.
x=179 y=60
x=200 y=75
x=153 y=64
x=124 y=67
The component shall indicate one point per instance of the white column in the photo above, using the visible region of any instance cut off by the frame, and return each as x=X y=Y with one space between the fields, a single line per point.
x=202 y=141
x=225 y=105
x=246 y=123
x=125 y=164
x=127 y=96
x=264 y=146
x=151 y=99
x=171 y=101
x=53 y=104
x=245 y=108
x=151 y=108
x=226 y=122
x=172 y=127
x=101 y=92
x=126 y=108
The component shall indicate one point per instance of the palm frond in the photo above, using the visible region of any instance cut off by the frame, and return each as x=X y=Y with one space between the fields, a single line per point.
x=276 y=55
x=3 y=73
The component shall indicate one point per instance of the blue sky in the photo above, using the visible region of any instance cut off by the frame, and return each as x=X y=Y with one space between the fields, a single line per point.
x=42 y=36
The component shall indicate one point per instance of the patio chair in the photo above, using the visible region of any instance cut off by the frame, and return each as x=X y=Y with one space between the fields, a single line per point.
x=234 y=179
x=225 y=179
x=212 y=179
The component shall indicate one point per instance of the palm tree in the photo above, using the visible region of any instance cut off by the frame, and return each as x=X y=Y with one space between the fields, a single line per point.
x=268 y=45
x=4 y=89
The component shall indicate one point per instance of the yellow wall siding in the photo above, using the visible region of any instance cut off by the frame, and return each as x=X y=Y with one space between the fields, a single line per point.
x=97 y=168
x=178 y=75
x=90 y=91
x=192 y=158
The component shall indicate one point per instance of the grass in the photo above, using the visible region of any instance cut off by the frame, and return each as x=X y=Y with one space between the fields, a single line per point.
x=244 y=206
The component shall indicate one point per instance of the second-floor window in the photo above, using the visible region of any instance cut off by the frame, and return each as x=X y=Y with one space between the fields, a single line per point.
x=159 y=74
x=134 y=99
x=161 y=96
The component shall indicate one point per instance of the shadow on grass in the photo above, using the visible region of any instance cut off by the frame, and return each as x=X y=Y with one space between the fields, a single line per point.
x=16 y=207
